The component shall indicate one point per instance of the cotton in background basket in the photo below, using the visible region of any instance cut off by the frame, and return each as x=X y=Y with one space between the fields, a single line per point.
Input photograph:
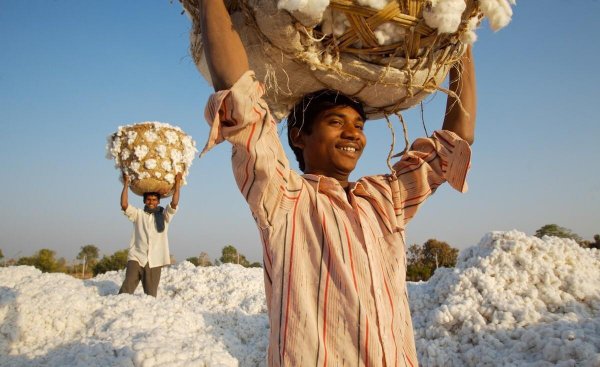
x=389 y=54
x=152 y=154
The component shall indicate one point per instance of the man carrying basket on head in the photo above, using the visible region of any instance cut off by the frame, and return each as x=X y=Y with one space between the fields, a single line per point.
x=333 y=250
x=149 y=246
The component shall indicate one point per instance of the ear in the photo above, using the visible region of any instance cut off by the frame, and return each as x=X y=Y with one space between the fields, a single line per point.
x=297 y=138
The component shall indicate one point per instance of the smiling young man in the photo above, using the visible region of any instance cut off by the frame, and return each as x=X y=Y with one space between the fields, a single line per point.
x=333 y=250
x=149 y=245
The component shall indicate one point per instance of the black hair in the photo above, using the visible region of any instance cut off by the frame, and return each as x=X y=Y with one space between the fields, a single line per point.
x=146 y=194
x=306 y=111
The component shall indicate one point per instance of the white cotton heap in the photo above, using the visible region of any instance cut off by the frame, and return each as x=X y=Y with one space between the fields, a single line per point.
x=511 y=300
x=444 y=15
x=498 y=12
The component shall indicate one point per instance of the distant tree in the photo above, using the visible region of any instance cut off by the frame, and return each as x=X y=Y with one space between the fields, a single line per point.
x=557 y=231
x=193 y=260
x=255 y=264
x=438 y=254
x=90 y=253
x=45 y=261
x=422 y=260
x=230 y=254
x=590 y=244
x=89 y=256
x=2 y=256
x=116 y=261
x=204 y=259
x=596 y=243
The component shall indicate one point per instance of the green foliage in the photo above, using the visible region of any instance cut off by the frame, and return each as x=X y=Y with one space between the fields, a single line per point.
x=1 y=254
x=202 y=260
x=556 y=231
x=45 y=261
x=116 y=261
x=423 y=260
x=193 y=260
x=255 y=265
x=90 y=253
x=230 y=254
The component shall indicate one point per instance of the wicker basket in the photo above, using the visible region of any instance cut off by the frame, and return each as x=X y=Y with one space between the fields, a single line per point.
x=293 y=56
x=152 y=154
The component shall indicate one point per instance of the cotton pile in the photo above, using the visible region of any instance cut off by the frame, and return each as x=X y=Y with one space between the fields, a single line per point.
x=512 y=300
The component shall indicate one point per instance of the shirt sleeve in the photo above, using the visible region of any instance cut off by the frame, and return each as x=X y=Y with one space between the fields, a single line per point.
x=131 y=213
x=169 y=213
x=260 y=166
x=429 y=163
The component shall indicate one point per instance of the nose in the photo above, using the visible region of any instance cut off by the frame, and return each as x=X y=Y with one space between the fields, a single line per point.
x=351 y=132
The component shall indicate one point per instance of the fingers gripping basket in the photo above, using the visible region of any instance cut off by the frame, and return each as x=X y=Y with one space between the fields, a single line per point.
x=152 y=154
x=389 y=58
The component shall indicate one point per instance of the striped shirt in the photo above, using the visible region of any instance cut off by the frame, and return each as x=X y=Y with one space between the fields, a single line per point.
x=334 y=262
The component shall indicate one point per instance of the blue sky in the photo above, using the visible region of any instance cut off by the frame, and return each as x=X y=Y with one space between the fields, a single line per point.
x=71 y=72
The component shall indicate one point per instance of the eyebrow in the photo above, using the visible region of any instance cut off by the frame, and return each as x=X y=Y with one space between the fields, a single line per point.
x=341 y=115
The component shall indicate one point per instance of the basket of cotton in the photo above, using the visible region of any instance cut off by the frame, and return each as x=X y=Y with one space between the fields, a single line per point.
x=152 y=154
x=389 y=54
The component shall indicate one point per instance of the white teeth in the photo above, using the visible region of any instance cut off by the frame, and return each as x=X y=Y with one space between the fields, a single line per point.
x=348 y=149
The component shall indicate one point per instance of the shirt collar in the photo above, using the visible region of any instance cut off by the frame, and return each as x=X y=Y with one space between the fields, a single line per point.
x=331 y=186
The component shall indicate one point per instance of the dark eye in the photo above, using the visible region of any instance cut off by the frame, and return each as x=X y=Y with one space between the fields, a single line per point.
x=360 y=126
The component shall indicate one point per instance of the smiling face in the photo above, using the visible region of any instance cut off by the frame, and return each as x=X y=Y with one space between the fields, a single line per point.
x=334 y=144
x=151 y=201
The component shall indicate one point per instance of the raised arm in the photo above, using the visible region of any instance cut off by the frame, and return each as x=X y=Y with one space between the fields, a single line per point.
x=125 y=192
x=175 y=198
x=225 y=53
x=462 y=82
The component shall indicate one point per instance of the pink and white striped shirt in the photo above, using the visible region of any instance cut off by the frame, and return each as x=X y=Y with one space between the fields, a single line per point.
x=334 y=263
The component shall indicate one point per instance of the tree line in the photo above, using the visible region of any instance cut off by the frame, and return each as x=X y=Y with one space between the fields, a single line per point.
x=421 y=260
x=91 y=263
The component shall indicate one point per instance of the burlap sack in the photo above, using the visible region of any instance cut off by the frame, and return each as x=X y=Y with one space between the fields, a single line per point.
x=152 y=154
x=291 y=62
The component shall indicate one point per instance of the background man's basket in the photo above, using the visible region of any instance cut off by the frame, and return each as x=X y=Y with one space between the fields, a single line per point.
x=152 y=154
x=293 y=56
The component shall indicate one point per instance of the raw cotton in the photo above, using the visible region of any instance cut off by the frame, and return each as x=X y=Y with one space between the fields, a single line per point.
x=512 y=300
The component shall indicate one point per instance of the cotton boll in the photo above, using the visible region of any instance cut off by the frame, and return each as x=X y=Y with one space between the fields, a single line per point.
x=161 y=150
x=311 y=8
x=176 y=156
x=131 y=136
x=171 y=136
x=170 y=178
x=334 y=22
x=140 y=151
x=389 y=33
x=150 y=136
x=444 y=15
x=125 y=154
x=498 y=12
x=375 y=4
x=166 y=165
x=150 y=164
x=469 y=36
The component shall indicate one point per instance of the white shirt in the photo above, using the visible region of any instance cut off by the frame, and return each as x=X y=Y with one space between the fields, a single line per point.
x=147 y=245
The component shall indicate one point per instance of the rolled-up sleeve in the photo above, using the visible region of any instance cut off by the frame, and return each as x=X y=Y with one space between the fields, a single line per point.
x=261 y=169
x=131 y=213
x=429 y=163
